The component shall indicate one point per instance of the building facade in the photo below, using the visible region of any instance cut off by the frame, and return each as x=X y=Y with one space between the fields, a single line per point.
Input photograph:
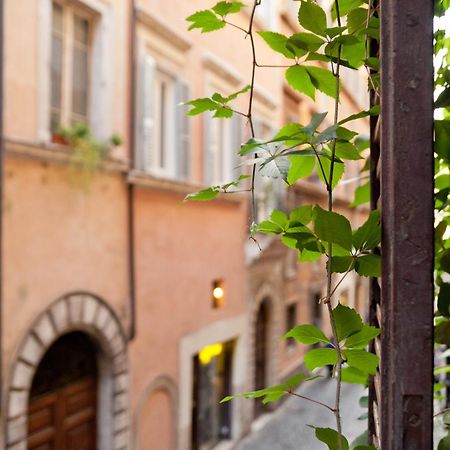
x=112 y=337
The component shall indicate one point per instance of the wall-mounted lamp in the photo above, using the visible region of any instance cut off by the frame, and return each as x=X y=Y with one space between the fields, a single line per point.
x=218 y=294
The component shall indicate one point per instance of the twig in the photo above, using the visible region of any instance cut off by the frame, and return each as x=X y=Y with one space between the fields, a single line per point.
x=441 y=412
x=321 y=168
x=311 y=400
x=236 y=26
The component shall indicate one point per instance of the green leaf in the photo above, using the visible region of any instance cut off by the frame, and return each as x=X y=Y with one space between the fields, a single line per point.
x=442 y=139
x=442 y=332
x=223 y=112
x=346 y=150
x=362 y=195
x=307 y=334
x=302 y=214
x=268 y=227
x=338 y=171
x=347 y=321
x=309 y=256
x=298 y=78
x=445 y=261
x=330 y=437
x=275 y=167
x=365 y=361
x=368 y=235
x=345 y=6
x=352 y=375
x=203 y=195
x=332 y=227
x=444 y=443
x=340 y=264
x=374 y=111
x=302 y=43
x=313 y=18
x=316 y=120
x=301 y=167
x=279 y=217
x=206 y=21
x=223 y=8
x=368 y=265
x=355 y=54
x=201 y=105
x=444 y=99
x=356 y=20
x=323 y=80
x=277 y=42
x=444 y=299
x=361 y=339
x=326 y=135
x=292 y=134
x=320 y=357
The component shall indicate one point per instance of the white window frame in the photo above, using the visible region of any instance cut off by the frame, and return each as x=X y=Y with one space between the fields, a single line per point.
x=167 y=167
x=101 y=84
x=221 y=149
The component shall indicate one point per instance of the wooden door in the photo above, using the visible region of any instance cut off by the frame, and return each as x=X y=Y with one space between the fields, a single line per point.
x=64 y=419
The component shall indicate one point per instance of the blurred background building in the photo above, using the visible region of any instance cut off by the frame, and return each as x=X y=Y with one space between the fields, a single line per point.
x=126 y=315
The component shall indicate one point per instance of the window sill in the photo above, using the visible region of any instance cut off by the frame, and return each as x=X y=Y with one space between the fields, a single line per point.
x=182 y=187
x=55 y=154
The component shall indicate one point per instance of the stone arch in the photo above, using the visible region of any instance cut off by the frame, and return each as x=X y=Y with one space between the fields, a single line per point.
x=78 y=311
x=266 y=293
x=168 y=385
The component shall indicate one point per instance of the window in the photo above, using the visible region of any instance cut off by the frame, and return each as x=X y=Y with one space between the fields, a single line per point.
x=291 y=321
x=211 y=420
x=267 y=12
x=223 y=138
x=163 y=131
x=70 y=60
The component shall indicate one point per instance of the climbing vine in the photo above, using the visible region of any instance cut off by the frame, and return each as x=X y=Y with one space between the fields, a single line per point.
x=317 y=55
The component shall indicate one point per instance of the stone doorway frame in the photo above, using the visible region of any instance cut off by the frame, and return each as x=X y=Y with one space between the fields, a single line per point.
x=78 y=311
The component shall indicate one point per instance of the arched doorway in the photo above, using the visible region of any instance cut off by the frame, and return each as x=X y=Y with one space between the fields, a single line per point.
x=90 y=318
x=63 y=397
x=261 y=351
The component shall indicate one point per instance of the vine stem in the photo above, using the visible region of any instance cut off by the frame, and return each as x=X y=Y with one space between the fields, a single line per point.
x=329 y=295
x=294 y=394
x=250 y=102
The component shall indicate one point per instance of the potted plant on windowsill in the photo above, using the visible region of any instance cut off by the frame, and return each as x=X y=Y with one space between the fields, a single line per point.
x=87 y=151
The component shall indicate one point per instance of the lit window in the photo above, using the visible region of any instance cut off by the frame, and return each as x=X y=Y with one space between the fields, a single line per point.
x=70 y=61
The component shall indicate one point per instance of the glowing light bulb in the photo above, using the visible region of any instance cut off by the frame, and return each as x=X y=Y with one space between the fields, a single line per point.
x=218 y=293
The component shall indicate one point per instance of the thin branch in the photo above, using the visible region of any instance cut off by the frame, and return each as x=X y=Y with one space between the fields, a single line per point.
x=330 y=250
x=236 y=26
x=311 y=400
x=239 y=112
x=250 y=102
x=441 y=412
x=321 y=167
x=276 y=66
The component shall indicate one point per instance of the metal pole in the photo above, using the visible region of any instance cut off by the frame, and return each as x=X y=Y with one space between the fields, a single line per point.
x=407 y=224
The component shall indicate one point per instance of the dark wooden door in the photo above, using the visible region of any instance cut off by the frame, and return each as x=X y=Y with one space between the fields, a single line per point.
x=64 y=419
x=261 y=332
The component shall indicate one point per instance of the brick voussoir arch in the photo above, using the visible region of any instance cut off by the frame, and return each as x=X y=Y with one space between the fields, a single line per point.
x=77 y=311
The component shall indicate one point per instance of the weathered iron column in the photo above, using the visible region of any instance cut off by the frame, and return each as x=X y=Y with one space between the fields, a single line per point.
x=406 y=401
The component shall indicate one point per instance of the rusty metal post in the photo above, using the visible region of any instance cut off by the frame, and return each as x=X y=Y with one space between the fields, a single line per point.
x=407 y=224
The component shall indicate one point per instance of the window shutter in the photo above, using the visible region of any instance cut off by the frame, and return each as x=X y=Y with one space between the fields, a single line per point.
x=182 y=132
x=208 y=156
x=236 y=141
x=145 y=114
